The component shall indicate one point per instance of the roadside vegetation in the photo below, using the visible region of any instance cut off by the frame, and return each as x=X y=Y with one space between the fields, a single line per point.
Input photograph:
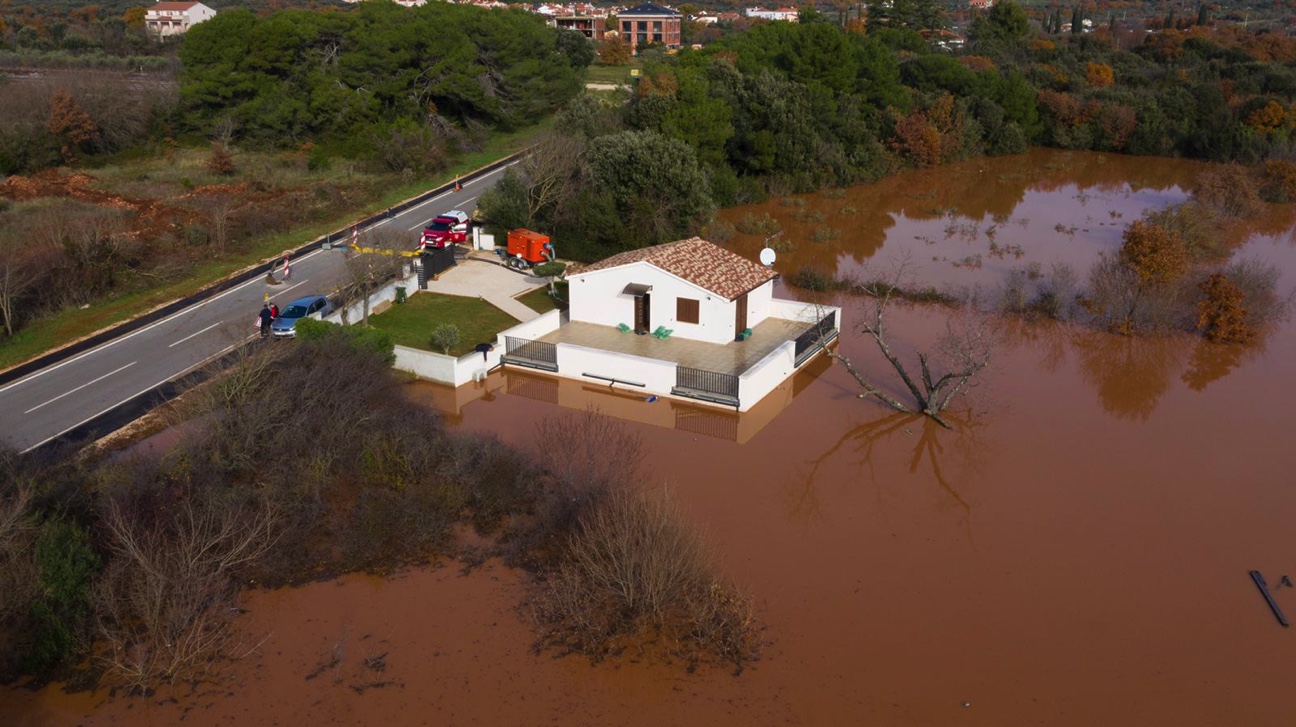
x=139 y=187
x=126 y=571
x=271 y=202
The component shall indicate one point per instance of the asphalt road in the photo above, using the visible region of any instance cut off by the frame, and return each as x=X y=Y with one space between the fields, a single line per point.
x=55 y=400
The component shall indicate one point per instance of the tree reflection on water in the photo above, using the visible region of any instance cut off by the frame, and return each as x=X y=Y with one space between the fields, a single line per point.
x=936 y=453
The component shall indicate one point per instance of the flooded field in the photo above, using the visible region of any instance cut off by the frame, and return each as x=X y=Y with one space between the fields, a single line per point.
x=1073 y=553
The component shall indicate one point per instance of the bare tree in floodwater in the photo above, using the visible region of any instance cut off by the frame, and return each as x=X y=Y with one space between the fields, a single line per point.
x=960 y=355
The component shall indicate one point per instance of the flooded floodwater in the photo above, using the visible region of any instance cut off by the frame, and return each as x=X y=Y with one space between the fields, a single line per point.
x=1075 y=552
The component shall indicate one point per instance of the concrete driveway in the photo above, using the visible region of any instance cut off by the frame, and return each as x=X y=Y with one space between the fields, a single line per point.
x=477 y=276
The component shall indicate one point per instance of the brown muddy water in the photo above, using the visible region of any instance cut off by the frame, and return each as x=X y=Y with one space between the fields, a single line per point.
x=1074 y=553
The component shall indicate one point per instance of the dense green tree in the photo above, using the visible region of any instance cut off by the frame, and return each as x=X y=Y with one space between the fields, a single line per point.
x=653 y=183
x=293 y=76
x=578 y=49
x=1002 y=28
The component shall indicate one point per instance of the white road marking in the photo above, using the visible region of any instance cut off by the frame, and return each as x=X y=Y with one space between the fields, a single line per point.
x=82 y=386
x=186 y=311
x=285 y=290
x=182 y=374
x=191 y=335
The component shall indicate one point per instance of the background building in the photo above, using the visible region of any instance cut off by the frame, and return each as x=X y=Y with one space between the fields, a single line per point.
x=650 y=23
x=168 y=18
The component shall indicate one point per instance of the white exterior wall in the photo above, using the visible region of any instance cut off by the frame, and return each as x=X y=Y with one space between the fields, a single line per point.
x=656 y=376
x=597 y=297
x=199 y=13
x=758 y=304
x=768 y=373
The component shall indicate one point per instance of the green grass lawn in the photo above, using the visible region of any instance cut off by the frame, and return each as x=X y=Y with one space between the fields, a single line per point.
x=539 y=299
x=411 y=323
x=610 y=74
x=68 y=325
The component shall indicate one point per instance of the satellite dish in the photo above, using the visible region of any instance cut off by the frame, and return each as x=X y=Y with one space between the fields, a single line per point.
x=767 y=256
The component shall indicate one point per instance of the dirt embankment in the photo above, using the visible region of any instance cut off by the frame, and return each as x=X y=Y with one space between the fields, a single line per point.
x=149 y=215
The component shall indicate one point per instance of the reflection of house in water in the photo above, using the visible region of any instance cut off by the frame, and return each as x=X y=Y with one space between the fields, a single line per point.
x=628 y=405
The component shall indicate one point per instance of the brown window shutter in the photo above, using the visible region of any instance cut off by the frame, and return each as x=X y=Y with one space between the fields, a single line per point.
x=686 y=310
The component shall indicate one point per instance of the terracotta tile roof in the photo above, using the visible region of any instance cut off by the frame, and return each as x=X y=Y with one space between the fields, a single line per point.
x=702 y=263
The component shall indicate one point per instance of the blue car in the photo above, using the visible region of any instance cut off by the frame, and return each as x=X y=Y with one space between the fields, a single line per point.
x=313 y=306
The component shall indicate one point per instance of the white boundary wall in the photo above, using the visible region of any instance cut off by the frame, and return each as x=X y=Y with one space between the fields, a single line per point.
x=759 y=380
x=534 y=328
x=795 y=310
x=657 y=376
x=385 y=294
x=445 y=369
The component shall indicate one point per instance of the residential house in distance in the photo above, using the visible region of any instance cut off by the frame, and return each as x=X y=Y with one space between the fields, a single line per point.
x=175 y=18
x=788 y=15
x=687 y=319
x=650 y=23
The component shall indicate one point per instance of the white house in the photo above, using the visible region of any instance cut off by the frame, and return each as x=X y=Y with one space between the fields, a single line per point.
x=790 y=15
x=687 y=319
x=172 y=18
x=697 y=289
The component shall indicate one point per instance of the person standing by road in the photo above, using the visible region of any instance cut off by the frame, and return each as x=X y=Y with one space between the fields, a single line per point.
x=274 y=312
x=266 y=318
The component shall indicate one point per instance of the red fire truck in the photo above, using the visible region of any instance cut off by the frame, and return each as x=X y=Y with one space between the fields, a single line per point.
x=447 y=228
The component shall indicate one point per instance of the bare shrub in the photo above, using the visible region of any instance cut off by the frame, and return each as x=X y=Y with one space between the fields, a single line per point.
x=635 y=572
x=763 y=225
x=1258 y=283
x=497 y=480
x=18 y=575
x=583 y=458
x=1032 y=294
x=1231 y=190
x=720 y=231
x=164 y=602
x=1119 y=301
x=369 y=271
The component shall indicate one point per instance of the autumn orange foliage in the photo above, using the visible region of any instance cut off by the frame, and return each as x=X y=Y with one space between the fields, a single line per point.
x=1268 y=118
x=1099 y=75
x=70 y=122
x=1155 y=253
x=1221 y=314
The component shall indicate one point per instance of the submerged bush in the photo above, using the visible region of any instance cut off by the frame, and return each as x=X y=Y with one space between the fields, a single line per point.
x=634 y=570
